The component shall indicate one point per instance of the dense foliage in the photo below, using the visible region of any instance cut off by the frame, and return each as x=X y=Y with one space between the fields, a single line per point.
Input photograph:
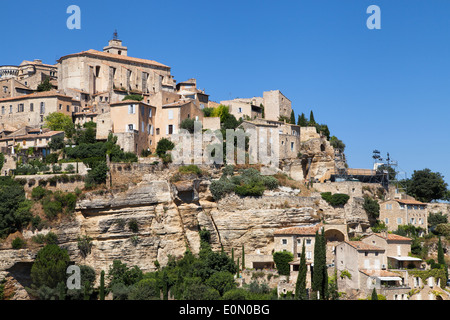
x=250 y=182
x=337 y=199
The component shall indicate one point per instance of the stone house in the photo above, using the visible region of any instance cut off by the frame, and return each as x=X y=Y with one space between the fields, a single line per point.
x=29 y=74
x=133 y=123
x=275 y=105
x=287 y=144
x=107 y=76
x=26 y=138
x=188 y=90
x=10 y=88
x=31 y=110
x=398 y=212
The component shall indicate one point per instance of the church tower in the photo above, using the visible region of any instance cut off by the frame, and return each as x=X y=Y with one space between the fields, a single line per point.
x=115 y=46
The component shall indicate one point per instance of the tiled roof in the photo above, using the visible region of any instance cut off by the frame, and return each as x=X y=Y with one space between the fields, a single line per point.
x=48 y=134
x=299 y=230
x=379 y=273
x=102 y=54
x=391 y=236
x=43 y=94
x=362 y=246
x=407 y=201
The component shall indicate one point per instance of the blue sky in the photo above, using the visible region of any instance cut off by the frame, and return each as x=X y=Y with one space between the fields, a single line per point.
x=385 y=89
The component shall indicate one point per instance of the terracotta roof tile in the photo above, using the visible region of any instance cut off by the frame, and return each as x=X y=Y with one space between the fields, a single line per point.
x=362 y=246
x=43 y=94
x=391 y=236
x=408 y=201
x=116 y=57
x=299 y=230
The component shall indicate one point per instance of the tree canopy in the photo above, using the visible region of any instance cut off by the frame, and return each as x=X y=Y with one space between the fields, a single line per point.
x=426 y=185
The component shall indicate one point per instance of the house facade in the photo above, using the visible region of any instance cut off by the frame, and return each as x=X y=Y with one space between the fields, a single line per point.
x=398 y=212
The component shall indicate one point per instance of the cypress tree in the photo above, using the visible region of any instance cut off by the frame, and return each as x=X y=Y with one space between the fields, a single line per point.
x=232 y=254
x=243 y=257
x=238 y=268
x=312 y=121
x=302 y=121
x=292 y=117
x=374 y=295
x=102 y=285
x=317 y=274
x=300 y=286
x=440 y=257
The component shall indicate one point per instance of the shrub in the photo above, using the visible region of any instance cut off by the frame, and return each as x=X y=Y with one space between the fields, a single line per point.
x=163 y=146
x=133 y=225
x=52 y=208
x=50 y=266
x=219 y=188
x=254 y=189
x=97 y=175
x=84 y=245
x=282 y=259
x=70 y=168
x=192 y=168
x=337 y=199
x=38 y=193
x=372 y=207
x=18 y=243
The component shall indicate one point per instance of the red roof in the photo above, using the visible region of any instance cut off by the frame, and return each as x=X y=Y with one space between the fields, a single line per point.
x=299 y=230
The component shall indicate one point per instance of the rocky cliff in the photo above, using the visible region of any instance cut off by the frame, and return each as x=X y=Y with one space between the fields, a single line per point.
x=168 y=216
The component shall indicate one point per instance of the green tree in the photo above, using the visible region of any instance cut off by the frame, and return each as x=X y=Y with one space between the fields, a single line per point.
x=441 y=257
x=222 y=281
x=302 y=121
x=312 y=121
x=374 y=295
x=320 y=276
x=436 y=218
x=337 y=144
x=57 y=121
x=102 y=285
x=427 y=186
x=50 y=266
x=292 y=117
x=163 y=146
x=45 y=85
x=282 y=259
x=133 y=97
x=372 y=207
x=2 y=161
x=300 y=286
x=14 y=208
x=188 y=124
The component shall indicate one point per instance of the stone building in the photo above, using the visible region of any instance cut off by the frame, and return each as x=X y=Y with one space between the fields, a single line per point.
x=30 y=73
x=26 y=138
x=31 y=110
x=398 y=212
x=273 y=104
x=133 y=123
x=108 y=76
x=11 y=87
x=288 y=142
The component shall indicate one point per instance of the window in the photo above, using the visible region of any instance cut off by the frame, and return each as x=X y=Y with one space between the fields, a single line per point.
x=308 y=242
x=402 y=206
x=150 y=113
x=10 y=109
x=42 y=111
x=5 y=89
x=170 y=114
x=68 y=108
x=399 y=220
x=420 y=221
x=20 y=107
x=388 y=206
x=292 y=146
x=386 y=220
x=60 y=106
x=130 y=127
x=240 y=110
x=142 y=126
x=413 y=220
x=308 y=255
x=170 y=129
x=157 y=131
x=131 y=109
x=3 y=109
x=31 y=107
x=284 y=241
x=366 y=254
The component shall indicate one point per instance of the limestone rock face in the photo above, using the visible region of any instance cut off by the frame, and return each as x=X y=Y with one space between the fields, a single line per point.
x=168 y=218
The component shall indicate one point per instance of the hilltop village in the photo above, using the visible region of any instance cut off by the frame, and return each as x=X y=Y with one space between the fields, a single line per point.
x=87 y=168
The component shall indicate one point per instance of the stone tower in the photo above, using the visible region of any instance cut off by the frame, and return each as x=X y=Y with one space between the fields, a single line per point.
x=115 y=46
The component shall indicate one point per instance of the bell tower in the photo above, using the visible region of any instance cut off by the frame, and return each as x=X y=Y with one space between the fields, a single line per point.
x=115 y=46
